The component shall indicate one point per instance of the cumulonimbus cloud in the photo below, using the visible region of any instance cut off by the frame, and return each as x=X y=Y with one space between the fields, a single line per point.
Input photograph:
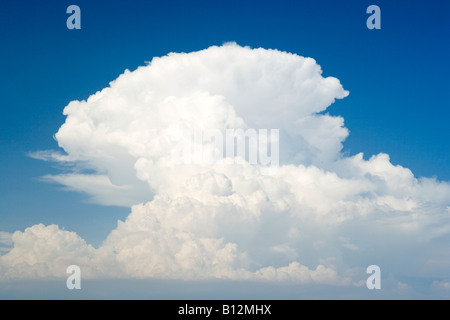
x=321 y=217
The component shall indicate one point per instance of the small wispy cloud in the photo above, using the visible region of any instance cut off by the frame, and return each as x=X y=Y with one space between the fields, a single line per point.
x=50 y=155
x=6 y=242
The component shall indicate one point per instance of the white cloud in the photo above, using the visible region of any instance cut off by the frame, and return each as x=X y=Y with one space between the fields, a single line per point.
x=44 y=252
x=221 y=220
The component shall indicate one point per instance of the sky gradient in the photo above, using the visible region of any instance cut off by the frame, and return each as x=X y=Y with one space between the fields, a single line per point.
x=397 y=78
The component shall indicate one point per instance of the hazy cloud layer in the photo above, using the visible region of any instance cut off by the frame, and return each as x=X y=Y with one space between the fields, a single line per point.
x=321 y=217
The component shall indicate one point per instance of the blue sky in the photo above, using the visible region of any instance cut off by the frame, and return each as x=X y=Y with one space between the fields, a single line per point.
x=397 y=78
